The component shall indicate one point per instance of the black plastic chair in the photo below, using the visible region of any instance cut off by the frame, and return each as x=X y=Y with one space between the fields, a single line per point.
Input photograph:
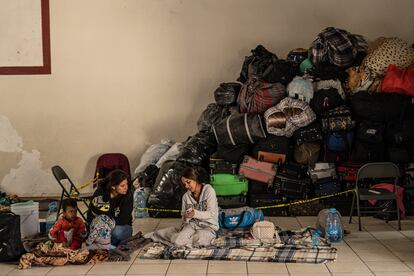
x=379 y=170
x=69 y=190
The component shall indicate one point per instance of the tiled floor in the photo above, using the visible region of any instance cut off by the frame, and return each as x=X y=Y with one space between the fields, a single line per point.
x=378 y=250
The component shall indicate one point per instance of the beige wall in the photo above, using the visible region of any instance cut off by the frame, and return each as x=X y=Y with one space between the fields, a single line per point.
x=127 y=73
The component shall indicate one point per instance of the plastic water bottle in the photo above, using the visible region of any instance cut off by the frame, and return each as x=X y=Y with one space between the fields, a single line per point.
x=334 y=231
x=51 y=215
x=315 y=237
x=140 y=202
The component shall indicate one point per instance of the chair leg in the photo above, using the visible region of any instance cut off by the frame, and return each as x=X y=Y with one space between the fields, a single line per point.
x=359 y=213
x=398 y=215
x=352 y=208
x=60 y=205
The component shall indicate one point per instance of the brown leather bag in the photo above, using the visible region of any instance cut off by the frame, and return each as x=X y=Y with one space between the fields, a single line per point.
x=307 y=153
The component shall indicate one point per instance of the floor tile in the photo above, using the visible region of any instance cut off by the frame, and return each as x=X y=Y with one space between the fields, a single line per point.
x=265 y=274
x=306 y=268
x=70 y=269
x=369 y=255
x=230 y=267
x=393 y=273
x=30 y=271
x=227 y=274
x=150 y=261
x=404 y=255
x=310 y=274
x=355 y=267
x=260 y=267
x=185 y=268
x=410 y=264
x=109 y=268
x=352 y=274
x=183 y=261
x=6 y=268
x=148 y=269
x=387 y=266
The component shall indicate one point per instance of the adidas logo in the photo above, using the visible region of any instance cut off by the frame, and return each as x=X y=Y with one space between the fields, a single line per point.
x=234 y=220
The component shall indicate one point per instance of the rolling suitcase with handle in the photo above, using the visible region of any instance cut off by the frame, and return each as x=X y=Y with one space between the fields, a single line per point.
x=258 y=170
x=295 y=188
x=226 y=184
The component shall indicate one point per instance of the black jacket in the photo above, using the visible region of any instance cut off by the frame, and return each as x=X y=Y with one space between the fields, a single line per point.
x=119 y=207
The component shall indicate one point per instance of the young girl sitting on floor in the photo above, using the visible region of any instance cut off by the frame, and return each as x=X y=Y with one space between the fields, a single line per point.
x=200 y=215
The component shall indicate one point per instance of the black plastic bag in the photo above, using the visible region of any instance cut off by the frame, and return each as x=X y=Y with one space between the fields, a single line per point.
x=168 y=190
x=148 y=176
x=198 y=148
x=233 y=154
x=213 y=114
x=227 y=93
x=281 y=71
x=257 y=63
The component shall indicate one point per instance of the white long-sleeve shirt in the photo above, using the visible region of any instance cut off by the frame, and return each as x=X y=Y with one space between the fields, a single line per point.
x=205 y=210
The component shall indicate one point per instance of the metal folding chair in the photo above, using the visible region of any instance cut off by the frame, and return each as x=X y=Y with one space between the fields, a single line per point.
x=69 y=190
x=379 y=170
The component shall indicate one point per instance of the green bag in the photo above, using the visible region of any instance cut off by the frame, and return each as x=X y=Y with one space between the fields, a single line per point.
x=226 y=184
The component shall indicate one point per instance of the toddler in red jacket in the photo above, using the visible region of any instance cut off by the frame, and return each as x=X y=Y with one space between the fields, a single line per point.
x=69 y=229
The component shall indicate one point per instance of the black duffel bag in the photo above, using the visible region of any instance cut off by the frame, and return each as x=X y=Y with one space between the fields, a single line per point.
x=227 y=93
x=273 y=144
x=378 y=107
x=11 y=247
x=239 y=129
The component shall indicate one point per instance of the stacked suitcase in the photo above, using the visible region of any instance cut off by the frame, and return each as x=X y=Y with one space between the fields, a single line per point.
x=231 y=188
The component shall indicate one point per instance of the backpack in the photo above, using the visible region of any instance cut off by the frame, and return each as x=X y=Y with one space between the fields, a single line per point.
x=11 y=247
x=337 y=119
x=325 y=99
x=339 y=141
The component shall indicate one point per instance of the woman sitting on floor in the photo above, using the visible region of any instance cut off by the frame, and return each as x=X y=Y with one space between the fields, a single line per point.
x=200 y=215
x=115 y=199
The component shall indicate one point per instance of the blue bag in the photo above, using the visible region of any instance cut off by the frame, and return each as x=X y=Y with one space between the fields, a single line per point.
x=339 y=141
x=243 y=217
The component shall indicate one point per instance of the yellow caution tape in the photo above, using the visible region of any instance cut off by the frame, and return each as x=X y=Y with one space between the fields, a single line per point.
x=263 y=207
x=86 y=184
x=299 y=202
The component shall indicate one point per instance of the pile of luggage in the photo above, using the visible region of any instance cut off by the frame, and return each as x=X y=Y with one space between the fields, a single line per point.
x=301 y=127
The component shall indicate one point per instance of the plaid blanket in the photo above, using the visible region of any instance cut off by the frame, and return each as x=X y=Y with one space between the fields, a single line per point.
x=292 y=247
